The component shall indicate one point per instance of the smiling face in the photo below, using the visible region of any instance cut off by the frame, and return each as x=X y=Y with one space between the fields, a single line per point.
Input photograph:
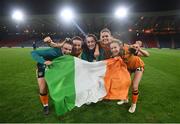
x=77 y=46
x=67 y=48
x=115 y=49
x=91 y=43
x=105 y=38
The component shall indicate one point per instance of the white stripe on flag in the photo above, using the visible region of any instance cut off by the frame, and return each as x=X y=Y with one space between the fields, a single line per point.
x=89 y=81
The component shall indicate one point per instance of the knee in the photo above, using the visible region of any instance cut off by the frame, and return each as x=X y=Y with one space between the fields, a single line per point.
x=43 y=90
x=135 y=88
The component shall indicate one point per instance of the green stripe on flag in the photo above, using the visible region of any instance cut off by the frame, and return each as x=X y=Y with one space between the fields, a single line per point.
x=60 y=80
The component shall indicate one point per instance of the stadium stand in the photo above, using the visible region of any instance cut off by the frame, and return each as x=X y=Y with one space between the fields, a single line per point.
x=155 y=29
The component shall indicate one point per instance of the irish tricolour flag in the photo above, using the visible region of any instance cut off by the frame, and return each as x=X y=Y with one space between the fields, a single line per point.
x=74 y=82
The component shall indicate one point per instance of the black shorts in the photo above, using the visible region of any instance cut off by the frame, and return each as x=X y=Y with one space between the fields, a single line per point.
x=40 y=70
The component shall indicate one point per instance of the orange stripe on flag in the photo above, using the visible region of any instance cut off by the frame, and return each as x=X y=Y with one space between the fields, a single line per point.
x=117 y=79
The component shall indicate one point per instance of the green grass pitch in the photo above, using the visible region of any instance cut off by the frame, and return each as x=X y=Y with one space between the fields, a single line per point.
x=159 y=99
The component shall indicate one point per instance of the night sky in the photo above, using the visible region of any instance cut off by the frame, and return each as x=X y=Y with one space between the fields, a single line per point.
x=38 y=7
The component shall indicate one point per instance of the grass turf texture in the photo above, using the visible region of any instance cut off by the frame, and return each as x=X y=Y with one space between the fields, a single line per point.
x=159 y=99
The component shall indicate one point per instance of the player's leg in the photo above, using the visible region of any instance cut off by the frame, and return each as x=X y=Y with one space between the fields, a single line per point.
x=43 y=91
x=135 y=83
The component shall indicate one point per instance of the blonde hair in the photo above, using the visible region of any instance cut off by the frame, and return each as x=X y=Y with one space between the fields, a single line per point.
x=119 y=42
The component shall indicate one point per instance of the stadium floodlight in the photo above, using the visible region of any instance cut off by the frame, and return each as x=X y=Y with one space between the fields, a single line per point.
x=18 y=15
x=121 y=12
x=67 y=14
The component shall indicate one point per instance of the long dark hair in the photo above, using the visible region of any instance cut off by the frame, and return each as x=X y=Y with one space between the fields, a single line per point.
x=87 y=50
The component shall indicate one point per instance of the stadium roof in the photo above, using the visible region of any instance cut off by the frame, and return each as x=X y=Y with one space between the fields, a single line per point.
x=41 y=7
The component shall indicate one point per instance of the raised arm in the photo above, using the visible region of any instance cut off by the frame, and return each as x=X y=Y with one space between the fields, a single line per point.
x=96 y=52
x=140 y=51
x=49 y=41
x=143 y=53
